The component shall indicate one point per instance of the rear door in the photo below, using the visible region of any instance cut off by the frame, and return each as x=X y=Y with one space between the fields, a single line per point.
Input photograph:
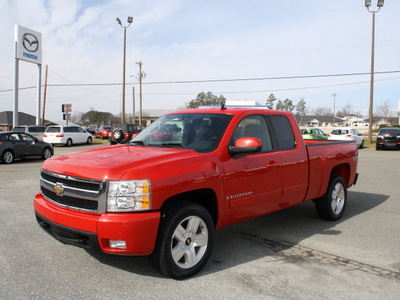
x=294 y=161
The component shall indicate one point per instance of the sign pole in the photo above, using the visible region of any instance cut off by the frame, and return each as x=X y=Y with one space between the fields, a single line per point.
x=38 y=122
x=16 y=74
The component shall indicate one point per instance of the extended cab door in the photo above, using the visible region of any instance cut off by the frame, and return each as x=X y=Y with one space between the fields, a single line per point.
x=252 y=182
x=294 y=160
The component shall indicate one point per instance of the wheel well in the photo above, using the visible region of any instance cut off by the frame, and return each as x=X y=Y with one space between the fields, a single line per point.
x=343 y=171
x=7 y=150
x=203 y=197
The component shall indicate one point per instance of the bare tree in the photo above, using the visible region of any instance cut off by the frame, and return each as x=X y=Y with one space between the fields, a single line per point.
x=322 y=111
x=347 y=110
x=384 y=110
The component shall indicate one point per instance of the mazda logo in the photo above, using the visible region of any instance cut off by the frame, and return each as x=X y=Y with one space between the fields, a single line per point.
x=30 y=42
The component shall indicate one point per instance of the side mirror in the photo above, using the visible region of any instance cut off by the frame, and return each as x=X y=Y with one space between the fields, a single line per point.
x=246 y=145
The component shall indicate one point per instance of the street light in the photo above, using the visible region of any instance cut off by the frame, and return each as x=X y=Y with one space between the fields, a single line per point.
x=130 y=20
x=371 y=92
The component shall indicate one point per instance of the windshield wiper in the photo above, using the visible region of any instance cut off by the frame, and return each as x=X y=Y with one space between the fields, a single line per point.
x=141 y=143
x=173 y=145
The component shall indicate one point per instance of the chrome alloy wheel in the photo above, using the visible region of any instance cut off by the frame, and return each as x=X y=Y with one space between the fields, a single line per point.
x=8 y=157
x=189 y=242
x=338 y=198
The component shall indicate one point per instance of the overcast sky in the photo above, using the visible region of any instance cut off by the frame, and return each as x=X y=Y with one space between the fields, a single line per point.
x=187 y=40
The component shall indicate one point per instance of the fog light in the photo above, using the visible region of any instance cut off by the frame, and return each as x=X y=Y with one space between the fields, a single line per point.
x=117 y=244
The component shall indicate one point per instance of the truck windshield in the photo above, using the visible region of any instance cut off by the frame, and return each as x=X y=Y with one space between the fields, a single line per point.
x=200 y=132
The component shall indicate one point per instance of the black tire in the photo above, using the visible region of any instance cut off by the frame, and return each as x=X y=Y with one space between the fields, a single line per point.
x=7 y=157
x=333 y=204
x=69 y=143
x=89 y=140
x=46 y=153
x=362 y=145
x=192 y=244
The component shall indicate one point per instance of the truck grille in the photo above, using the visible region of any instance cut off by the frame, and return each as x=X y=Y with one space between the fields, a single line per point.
x=73 y=192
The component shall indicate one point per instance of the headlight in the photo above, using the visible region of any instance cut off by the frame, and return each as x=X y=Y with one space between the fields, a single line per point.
x=129 y=195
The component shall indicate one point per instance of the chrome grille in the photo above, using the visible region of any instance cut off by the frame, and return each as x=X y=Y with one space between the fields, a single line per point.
x=74 y=192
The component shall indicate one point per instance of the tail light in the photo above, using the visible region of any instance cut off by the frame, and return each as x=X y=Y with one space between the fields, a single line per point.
x=45 y=135
x=312 y=135
x=348 y=135
x=59 y=135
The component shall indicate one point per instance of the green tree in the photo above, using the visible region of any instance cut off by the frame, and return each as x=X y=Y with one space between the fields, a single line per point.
x=271 y=101
x=279 y=105
x=206 y=99
x=288 y=105
x=301 y=109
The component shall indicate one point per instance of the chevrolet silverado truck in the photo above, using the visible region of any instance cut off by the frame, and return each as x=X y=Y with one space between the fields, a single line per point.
x=164 y=196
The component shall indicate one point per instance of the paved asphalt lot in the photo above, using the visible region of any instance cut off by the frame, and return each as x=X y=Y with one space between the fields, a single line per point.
x=290 y=254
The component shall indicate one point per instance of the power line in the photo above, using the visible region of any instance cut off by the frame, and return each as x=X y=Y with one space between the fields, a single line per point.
x=211 y=80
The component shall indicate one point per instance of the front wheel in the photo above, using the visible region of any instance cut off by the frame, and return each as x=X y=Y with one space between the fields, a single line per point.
x=332 y=205
x=184 y=241
x=89 y=140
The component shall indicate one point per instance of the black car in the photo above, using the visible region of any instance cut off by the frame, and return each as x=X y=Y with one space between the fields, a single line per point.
x=14 y=145
x=388 y=138
x=123 y=133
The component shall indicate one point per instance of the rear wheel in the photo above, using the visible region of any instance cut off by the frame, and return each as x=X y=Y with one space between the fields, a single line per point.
x=7 y=157
x=89 y=140
x=69 y=143
x=332 y=205
x=185 y=240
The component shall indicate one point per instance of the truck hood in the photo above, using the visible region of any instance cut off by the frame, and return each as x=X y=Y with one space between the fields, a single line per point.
x=112 y=162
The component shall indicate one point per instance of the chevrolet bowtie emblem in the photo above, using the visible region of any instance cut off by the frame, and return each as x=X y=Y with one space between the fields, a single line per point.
x=58 y=189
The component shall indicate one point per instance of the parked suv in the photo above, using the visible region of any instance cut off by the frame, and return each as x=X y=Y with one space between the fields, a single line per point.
x=123 y=133
x=388 y=138
x=67 y=135
x=36 y=131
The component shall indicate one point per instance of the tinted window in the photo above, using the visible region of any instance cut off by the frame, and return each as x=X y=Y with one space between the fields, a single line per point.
x=253 y=126
x=285 y=135
x=37 y=129
x=14 y=137
x=53 y=129
x=18 y=129
x=3 y=138
x=70 y=129
x=27 y=138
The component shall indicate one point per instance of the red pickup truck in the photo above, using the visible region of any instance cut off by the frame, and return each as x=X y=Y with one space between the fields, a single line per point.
x=166 y=197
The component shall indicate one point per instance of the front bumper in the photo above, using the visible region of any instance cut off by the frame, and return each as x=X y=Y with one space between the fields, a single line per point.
x=93 y=231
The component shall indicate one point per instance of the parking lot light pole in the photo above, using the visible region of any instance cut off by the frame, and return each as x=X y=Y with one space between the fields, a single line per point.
x=130 y=20
x=371 y=92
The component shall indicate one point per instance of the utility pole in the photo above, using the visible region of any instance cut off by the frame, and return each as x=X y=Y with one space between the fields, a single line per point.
x=133 y=98
x=141 y=75
x=45 y=94
x=334 y=110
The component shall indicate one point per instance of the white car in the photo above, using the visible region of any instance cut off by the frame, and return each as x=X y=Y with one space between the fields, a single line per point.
x=67 y=135
x=347 y=134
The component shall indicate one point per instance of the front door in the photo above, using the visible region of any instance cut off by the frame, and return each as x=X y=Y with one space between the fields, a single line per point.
x=253 y=182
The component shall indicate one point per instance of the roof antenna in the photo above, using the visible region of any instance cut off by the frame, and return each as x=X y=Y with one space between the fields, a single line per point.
x=223 y=106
